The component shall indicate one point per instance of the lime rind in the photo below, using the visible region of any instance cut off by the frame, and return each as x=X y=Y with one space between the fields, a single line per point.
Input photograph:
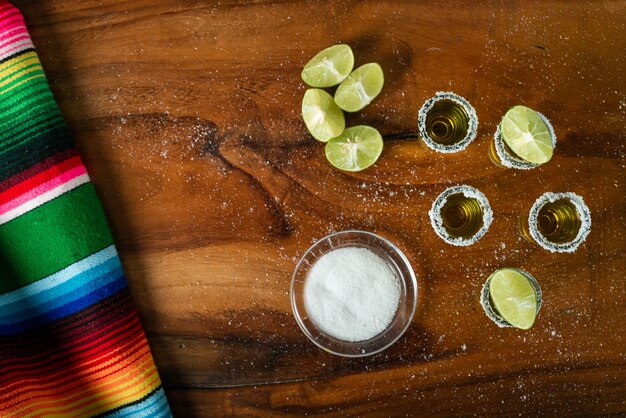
x=485 y=301
x=472 y=119
x=321 y=115
x=356 y=149
x=509 y=160
x=329 y=67
x=360 y=88
x=437 y=221
x=527 y=134
x=583 y=214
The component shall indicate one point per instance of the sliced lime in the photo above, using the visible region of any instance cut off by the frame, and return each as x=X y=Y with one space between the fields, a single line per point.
x=360 y=88
x=527 y=135
x=513 y=297
x=355 y=149
x=322 y=116
x=329 y=67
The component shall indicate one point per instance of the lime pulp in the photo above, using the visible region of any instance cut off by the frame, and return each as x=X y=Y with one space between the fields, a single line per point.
x=360 y=87
x=513 y=297
x=355 y=149
x=329 y=67
x=527 y=135
x=321 y=115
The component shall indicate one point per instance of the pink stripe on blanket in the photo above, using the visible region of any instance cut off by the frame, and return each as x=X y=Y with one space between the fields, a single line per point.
x=10 y=30
x=14 y=39
x=10 y=18
x=19 y=46
x=43 y=188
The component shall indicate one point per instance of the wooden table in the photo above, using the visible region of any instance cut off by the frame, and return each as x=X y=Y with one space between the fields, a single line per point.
x=188 y=117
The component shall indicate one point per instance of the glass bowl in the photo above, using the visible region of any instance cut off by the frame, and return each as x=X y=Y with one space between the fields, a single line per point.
x=396 y=260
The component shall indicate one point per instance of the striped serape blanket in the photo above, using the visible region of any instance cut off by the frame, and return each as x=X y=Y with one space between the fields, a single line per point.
x=71 y=344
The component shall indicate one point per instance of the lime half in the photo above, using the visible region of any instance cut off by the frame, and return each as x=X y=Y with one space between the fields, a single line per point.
x=321 y=115
x=355 y=149
x=527 y=135
x=329 y=67
x=360 y=88
x=513 y=297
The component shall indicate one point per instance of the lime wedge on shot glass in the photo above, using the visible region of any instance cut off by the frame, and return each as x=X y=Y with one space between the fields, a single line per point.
x=527 y=135
x=513 y=297
x=329 y=67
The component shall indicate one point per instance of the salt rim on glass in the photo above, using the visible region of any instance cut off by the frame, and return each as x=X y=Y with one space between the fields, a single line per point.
x=467 y=108
x=583 y=213
x=437 y=221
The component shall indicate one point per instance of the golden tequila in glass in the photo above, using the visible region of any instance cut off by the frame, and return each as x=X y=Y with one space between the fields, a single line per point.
x=558 y=222
x=447 y=122
x=503 y=156
x=461 y=215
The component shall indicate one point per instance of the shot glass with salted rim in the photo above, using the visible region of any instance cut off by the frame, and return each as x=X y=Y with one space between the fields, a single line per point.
x=447 y=122
x=513 y=296
x=503 y=156
x=461 y=215
x=558 y=222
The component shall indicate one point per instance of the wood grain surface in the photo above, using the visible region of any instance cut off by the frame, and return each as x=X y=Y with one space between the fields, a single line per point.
x=188 y=116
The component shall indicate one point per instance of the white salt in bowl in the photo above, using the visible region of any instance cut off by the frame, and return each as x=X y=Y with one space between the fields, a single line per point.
x=395 y=260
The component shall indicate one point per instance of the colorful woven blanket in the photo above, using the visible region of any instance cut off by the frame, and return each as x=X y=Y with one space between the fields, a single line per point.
x=71 y=343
